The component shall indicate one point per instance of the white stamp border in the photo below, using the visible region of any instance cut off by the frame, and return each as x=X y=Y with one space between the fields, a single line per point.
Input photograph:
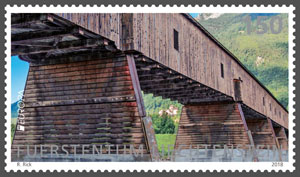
x=151 y=166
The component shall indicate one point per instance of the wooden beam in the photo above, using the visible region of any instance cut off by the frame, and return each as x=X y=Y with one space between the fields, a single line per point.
x=170 y=86
x=142 y=59
x=42 y=34
x=275 y=138
x=66 y=54
x=80 y=101
x=162 y=79
x=35 y=25
x=250 y=113
x=27 y=18
x=70 y=45
x=273 y=133
x=193 y=96
x=198 y=99
x=148 y=67
x=154 y=72
x=136 y=85
x=40 y=59
x=248 y=132
x=203 y=100
x=150 y=136
x=181 y=90
x=197 y=92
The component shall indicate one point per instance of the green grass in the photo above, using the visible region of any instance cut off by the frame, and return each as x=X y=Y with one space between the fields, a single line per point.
x=165 y=140
x=13 y=124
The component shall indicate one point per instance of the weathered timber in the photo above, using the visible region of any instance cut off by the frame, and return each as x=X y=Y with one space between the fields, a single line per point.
x=273 y=133
x=53 y=37
x=151 y=140
x=249 y=133
x=199 y=55
x=173 y=85
x=214 y=124
x=136 y=85
x=70 y=45
x=281 y=137
x=261 y=125
x=60 y=111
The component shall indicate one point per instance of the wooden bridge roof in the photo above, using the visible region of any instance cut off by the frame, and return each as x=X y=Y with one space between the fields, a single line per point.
x=42 y=38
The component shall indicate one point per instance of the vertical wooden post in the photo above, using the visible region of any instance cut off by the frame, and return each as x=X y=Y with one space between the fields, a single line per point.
x=127 y=32
x=237 y=90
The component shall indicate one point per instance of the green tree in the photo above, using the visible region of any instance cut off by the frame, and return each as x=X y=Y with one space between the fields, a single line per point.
x=163 y=124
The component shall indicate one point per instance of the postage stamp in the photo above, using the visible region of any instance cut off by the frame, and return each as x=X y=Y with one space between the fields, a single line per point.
x=149 y=88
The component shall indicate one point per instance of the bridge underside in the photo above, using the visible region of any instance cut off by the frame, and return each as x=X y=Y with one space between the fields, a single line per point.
x=82 y=90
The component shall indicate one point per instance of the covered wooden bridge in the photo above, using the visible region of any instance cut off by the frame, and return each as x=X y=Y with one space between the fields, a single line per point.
x=87 y=73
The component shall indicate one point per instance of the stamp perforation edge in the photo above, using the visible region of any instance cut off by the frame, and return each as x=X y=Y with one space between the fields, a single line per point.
x=168 y=165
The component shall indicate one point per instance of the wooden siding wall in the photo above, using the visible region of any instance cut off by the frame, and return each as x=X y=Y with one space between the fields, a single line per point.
x=215 y=124
x=198 y=56
x=61 y=105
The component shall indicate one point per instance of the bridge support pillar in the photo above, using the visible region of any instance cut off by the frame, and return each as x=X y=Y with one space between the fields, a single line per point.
x=267 y=139
x=211 y=124
x=262 y=132
x=84 y=102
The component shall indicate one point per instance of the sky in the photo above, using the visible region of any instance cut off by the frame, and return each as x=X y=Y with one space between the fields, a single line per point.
x=19 y=71
x=194 y=14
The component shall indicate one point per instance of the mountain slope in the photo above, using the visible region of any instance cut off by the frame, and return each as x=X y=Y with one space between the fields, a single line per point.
x=265 y=55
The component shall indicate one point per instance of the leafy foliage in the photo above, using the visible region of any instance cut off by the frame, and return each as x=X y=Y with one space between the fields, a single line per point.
x=163 y=124
x=154 y=104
